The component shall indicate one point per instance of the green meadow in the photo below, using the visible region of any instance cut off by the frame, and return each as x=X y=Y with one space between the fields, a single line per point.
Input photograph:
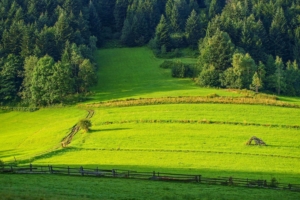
x=24 y=134
x=174 y=138
x=135 y=73
x=37 y=187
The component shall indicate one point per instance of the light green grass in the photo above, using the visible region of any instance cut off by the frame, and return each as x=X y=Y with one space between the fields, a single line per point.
x=37 y=187
x=215 y=112
x=134 y=73
x=208 y=149
x=202 y=148
x=294 y=100
x=24 y=134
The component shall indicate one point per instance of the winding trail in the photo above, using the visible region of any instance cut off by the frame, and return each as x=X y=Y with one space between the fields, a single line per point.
x=68 y=139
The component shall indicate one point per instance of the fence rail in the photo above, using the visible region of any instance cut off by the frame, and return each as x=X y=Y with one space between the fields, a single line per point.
x=154 y=176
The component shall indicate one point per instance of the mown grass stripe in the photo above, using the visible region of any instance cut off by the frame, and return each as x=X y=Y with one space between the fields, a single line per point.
x=203 y=121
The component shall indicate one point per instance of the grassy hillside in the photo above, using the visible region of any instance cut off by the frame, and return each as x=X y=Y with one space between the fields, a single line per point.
x=170 y=137
x=25 y=134
x=135 y=73
x=206 y=139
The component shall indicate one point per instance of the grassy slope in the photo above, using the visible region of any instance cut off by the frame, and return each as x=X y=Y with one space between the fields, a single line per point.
x=145 y=144
x=133 y=73
x=24 y=134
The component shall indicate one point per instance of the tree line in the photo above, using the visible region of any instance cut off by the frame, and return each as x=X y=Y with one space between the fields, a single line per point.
x=46 y=49
x=46 y=46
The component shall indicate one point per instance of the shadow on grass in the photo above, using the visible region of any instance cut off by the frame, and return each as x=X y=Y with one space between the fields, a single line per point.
x=282 y=146
x=50 y=154
x=8 y=153
x=108 y=130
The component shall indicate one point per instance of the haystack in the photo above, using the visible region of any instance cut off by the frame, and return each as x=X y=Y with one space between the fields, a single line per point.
x=256 y=140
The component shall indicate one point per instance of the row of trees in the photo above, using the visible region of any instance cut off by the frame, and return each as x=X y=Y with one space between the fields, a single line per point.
x=240 y=42
x=253 y=44
x=56 y=39
x=46 y=49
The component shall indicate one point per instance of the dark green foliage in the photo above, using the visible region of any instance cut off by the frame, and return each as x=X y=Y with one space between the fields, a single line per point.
x=209 y=77
x=179 y=69
x=217 y=51
x=32 y=31
x=69 y=32
x=193 y=29
x=10 y=80
x=162 y=34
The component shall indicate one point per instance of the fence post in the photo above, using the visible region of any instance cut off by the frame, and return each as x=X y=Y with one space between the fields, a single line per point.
x=68 y=170
x=153 y=173
x=197 y=179
x=30 y=167
x=97 y=170
x=81 y=170
x=51 y=169
x=11 y=168
x=128 y=174
x=113 y=172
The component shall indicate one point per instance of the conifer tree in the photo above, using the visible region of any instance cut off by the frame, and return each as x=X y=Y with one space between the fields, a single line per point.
x=193 y=29
x=162 y=34
x=120 y=13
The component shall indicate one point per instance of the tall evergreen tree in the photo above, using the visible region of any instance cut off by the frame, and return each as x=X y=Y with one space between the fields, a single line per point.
x=162 y=34
x=193 y=29
x=217 y=51
x=120 y=13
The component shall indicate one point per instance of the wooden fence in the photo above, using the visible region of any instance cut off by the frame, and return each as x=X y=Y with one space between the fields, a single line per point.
x=154 y=176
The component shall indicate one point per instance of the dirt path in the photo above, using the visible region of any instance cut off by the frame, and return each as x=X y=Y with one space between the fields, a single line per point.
x=68 y=139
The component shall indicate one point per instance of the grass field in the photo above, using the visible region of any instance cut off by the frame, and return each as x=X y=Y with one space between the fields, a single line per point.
x=135 y=73
x=177 y=138
x=37 y=187
x=24 y=134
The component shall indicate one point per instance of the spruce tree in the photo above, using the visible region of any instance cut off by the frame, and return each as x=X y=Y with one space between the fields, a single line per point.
x=162 y=34
x=193 y=29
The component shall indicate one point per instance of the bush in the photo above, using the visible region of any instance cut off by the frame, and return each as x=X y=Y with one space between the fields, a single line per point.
x=167 y=64
x=85 y=124
x=179 y=69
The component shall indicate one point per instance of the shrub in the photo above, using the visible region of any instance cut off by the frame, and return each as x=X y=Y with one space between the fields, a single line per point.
x=167 y=64
x=179 y=69
x=85 y=124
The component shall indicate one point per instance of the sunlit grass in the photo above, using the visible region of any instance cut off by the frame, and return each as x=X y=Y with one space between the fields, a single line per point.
x=264 y=115
x=134 y=73
x=182 y=147
x=140 y=139
x=28 y=133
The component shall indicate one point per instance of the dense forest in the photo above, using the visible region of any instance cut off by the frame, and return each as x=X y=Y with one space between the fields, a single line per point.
x=46 y=46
